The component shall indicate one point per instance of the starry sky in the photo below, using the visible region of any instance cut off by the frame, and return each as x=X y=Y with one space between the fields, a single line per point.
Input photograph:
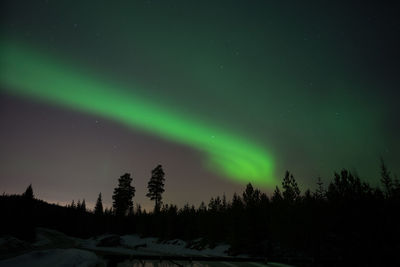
x=221 y=93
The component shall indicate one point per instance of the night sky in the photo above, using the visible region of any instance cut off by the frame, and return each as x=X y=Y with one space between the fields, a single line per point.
x=221 y=93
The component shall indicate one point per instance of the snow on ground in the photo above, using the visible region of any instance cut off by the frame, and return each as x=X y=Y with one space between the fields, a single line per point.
x=53 y=248
x=129 y=244
x=133 y=244
x=171 y=247
x=54 y=257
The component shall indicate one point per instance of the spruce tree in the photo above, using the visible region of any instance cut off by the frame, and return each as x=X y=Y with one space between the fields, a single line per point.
x=28 y=192
x=277 y=196
x=237 y=203
x=386 y=179
x=123 y=195
x=202 y=207
x=83 y=206
x=248 y=194
x=138 y=210
x=156 y=186
x=251 y=196
x=320 y=192
x=291 y=191
x=98 y=209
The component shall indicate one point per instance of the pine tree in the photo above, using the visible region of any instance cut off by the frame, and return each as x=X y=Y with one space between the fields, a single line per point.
x=264 y=201
x=277 y=196
x=386 y=179
x=251 y=196
x=123 y=195
x=156 y=186
x=83 y=206
x=28 y=192
x=215 y=205
x=108 y=211
x=237 y=203
x=202 y=207
x=224 y=204
x=396 y=188
x=98 y=209
x=308 y=198
x=346 y=187
x=138 y=210
x=291 y=191
x=248 y=194
x=320 y=191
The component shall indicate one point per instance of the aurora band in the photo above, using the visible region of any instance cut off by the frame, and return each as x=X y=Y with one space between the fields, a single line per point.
x=27 y=72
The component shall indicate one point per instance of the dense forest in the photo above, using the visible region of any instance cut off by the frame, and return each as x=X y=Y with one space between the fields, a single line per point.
x=344 y=220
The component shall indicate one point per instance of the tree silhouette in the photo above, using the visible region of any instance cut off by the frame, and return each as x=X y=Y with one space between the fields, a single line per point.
x=83 y=206
x=320 y=192
x=123 y=195
x=396 y=188
x=156 y=186
x=346 y=187
x=251 y=196
x=28 y=192
x=73 y=206
x=386 y=179
x=108 y=212
x=291 y=191
x=277 y=196
x=98 y=209
x=202 y=207
x=215 y=204
x=139 y=209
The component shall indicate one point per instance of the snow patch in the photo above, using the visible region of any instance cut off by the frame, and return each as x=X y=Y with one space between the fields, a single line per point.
x=170 y=247
x=134 y=244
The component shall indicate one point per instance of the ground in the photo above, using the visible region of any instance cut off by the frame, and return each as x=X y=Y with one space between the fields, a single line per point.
x=53 y=248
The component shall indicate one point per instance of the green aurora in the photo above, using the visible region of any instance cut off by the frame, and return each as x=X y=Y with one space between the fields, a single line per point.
x=307 y=87
x=29 y=73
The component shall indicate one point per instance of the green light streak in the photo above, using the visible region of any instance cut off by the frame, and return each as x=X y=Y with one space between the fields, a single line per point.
x=28 y=73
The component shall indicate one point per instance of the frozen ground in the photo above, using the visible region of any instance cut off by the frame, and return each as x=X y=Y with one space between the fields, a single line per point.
x=133 y=244
x=53 y=248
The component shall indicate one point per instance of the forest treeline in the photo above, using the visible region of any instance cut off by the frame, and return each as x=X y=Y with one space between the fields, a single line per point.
x=344 y=220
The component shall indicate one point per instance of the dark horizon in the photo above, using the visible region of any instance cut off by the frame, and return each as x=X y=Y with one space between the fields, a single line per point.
x=149 y=205
x=343 y=223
